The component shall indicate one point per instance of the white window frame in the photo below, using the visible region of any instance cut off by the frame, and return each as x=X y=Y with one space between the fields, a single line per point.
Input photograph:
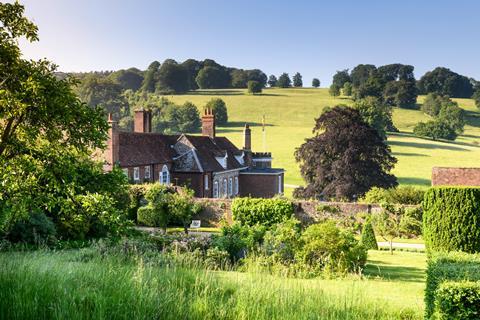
x=136 y=174
x=215 y=189
x=164 y=175
x=280 y=184
x=230 y=186
x=225 y=187
x=236 y=185
x=206 y=178
x=147 y=172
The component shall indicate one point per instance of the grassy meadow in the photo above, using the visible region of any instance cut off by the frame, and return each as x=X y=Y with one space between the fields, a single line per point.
x=77 y=284
x=290 y=115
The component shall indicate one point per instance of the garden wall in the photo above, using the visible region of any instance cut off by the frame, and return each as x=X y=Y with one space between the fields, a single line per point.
x=216 y=210
x=455 y=176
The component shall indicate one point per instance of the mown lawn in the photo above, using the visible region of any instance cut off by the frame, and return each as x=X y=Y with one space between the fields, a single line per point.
x=290 y=115
x=77 y=285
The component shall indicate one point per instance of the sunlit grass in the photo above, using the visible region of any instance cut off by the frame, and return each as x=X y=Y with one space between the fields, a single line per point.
x=70 y=285
x=290 y=115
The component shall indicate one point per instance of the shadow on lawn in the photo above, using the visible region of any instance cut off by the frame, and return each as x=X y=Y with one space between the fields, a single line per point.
x=414 y=181
x=408 y=154
x=425 y=145
x=394 y=272
x=216 y=92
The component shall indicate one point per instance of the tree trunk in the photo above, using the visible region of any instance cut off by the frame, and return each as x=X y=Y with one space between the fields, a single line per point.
x=391 y=246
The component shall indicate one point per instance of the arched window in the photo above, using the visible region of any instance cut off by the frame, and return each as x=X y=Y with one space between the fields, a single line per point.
x=164 y=175
x=215 y=189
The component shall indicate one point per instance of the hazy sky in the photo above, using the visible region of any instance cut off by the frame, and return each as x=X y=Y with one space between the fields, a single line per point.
x=315 y=38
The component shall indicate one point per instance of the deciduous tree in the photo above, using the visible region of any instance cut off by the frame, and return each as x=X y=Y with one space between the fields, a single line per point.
x=344 y=158
x=297 y=80
x=315 y=83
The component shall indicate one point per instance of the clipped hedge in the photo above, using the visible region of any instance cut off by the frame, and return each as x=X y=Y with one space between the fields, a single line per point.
x=368 y=239
x=458 y=300
x=252 y=211
x=451 y=219
x=452 y=266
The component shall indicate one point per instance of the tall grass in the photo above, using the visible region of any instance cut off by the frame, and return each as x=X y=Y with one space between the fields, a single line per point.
x=73 y=285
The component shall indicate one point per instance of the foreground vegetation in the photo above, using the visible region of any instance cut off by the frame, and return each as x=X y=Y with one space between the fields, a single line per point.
x=81 y=284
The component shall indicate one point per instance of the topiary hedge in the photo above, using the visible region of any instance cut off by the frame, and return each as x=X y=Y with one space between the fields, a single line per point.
x=252 y=211
x=458 y=300
x=368 y=237
x=451 y=219
x=453 y=266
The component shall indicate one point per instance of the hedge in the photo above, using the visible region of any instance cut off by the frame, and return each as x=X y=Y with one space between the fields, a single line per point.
x=368 y=237
x=252 y=211
x=452 y=266
x=451 y=219
x=458 y=300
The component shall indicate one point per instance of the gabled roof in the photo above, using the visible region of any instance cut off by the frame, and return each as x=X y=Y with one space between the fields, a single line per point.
x=207 y=149
x=138 y=149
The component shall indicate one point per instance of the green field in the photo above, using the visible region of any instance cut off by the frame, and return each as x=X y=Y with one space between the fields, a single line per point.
x=79 y=284
x=290 y=115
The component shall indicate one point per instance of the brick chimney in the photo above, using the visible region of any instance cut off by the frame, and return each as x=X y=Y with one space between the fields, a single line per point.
x=112 y=150
x=208 y=123
x=142 y=121
x=247 y=138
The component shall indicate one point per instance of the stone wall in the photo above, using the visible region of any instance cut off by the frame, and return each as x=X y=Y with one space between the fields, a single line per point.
x=455 y=176
x=217 y=210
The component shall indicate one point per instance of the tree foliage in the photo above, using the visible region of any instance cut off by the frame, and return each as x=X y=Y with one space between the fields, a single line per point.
x=315 y=83
x=172 y=78
x=341 y=77
x=334 y=90
x=219 y=109
x=445 y=82
x=345 y=158
x=297 y=80
x=254 y=87
x=284 y=81
x=368 y=239
x=376 y=114
x=272 y=81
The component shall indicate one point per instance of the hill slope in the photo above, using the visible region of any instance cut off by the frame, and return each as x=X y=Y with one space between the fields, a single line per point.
x=290 y=115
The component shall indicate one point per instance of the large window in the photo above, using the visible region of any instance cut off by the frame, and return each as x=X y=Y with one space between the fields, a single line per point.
x=236 y=186
x=147 y=172
x=215 y=189
x=164 y=177
x=230 y=186
x=136 y=173
x=206 y=182
x=225 y=187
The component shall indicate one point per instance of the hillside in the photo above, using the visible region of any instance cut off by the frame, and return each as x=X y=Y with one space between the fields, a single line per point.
x=290 y=115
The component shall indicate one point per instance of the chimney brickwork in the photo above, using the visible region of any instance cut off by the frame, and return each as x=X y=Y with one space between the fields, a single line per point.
x=112 y=150
x=208 y=123
x=143 y=121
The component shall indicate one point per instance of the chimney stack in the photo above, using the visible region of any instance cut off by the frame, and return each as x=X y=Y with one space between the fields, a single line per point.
x=143 y=121
x=247 y=138
x=208 y=123
x=112 y=150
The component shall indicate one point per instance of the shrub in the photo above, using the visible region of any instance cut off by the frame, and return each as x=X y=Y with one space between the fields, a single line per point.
x=232 y=240
x=254 y=87
x=136 y=195
x=282 y=241
x=368 y=239
x=458 y=300
x=216 y=259
x=451 y=219
x=400 y=195
x=435 y=129
x=181 y=208
x=155 y=213
x=327 y=248
x=35 y=229
x=453 y=266
x=252 y=211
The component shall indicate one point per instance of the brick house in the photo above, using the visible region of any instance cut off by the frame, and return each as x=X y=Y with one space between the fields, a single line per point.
x=212 y=166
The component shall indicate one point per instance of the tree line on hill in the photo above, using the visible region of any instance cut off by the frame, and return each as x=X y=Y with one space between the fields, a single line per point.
x=395 y=85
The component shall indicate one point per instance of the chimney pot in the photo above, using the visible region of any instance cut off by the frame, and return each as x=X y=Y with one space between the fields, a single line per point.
x=208 y=123
x=143 y=121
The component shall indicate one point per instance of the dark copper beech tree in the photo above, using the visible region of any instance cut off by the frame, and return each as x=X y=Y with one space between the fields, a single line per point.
x=344 y=158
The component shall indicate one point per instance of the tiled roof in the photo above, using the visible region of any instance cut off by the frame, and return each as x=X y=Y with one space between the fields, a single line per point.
x=137 y=149
x=207 y=149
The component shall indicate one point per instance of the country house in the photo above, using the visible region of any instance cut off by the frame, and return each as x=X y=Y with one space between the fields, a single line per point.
x=212 y=166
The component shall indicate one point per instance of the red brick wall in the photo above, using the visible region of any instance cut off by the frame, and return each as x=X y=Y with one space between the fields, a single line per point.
x=259 y=186
x=455 y=176
x=192 y=180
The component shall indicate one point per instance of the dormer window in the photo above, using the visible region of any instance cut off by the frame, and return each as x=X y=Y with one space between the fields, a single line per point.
x=222 y=161
x=241 y=158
